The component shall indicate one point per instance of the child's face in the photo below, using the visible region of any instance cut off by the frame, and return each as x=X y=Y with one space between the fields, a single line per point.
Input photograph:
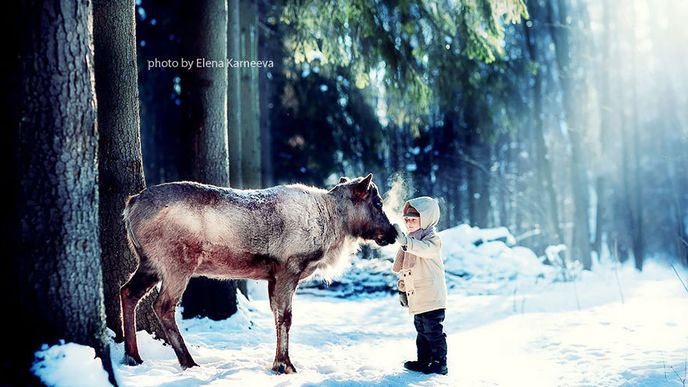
x=412 y=223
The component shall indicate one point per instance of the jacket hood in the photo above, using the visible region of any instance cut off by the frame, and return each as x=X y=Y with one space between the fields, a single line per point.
x=428 y=209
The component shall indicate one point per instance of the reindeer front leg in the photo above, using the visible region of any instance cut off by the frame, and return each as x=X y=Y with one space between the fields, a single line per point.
x=281 y=292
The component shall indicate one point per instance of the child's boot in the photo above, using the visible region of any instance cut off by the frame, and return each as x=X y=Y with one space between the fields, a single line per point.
x=437 y=366
x=423 y=354
x=417 y=365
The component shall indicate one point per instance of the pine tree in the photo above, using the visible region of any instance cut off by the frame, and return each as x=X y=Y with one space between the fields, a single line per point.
x=120 y=163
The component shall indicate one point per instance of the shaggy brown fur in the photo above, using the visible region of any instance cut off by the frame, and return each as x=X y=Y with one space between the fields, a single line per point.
x=282 y=234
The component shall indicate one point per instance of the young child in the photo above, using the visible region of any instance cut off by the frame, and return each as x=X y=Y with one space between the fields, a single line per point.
x=421 y=271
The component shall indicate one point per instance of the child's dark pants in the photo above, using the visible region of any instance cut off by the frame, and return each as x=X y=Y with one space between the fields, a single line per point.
x=431 y=341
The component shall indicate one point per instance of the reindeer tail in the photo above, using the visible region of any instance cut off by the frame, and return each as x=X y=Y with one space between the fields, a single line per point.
x=126 y=214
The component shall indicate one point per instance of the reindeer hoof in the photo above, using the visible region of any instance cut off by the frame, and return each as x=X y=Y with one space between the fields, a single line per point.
x=283 y=368
x=189 y=364
x=132 y=360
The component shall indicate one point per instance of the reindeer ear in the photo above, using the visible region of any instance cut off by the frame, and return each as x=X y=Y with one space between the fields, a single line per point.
x=361 y=188
x=343 y=179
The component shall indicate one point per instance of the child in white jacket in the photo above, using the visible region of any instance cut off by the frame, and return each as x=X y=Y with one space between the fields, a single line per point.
x=421 y=271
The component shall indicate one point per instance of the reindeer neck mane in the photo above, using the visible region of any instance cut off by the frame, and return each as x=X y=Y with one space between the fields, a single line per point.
x=337 y=259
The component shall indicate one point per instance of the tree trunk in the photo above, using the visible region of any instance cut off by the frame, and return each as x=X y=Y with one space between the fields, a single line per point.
x=580 y=243
x=234 y=96
x=205 y=102
x=482 y=157
x=464 y=190
x=624 y=223
x=57 y=271
x=470 y=192
x=264 y=52
x=550 y=220
x=250 y=125
x=478 y=177
x=502 y=197
x=236 y=179
x=605 y=130
x=581 y=248
x=120 y=166
x=13 y=366
x=636 y=198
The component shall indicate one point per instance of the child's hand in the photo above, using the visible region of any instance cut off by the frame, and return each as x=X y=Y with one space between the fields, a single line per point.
x=401 y=237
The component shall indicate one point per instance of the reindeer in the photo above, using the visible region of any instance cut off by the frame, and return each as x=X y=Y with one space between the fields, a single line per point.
x=282 y=234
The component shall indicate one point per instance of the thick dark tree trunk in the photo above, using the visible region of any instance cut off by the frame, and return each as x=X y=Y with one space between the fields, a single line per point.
x=119 y=165
x=13 y=366
x=56 y=272
x=205 y=104
x=204 y=91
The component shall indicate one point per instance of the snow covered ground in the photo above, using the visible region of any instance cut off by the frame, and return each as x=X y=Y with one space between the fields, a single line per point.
x=510 y=322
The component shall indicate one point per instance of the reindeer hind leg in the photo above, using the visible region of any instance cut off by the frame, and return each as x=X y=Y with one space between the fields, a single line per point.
x=130 y=294
x=165 y=306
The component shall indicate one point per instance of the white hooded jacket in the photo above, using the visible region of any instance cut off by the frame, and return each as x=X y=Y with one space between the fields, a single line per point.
x=420 y=267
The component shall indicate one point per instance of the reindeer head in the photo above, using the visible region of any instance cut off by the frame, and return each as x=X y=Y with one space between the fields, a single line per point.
x=361 y=203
